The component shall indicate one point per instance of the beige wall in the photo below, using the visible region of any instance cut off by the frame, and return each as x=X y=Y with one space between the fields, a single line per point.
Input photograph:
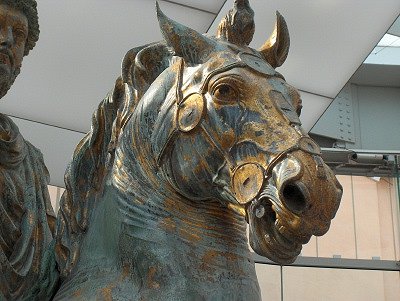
x=366 y=224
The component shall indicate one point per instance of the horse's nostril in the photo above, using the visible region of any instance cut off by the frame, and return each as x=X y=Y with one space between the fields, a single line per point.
x=294 y=198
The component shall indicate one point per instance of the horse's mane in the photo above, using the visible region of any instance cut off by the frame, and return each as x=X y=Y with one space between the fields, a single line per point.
x=94 y=155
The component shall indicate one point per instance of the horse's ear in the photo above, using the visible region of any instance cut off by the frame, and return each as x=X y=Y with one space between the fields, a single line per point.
x=186 y=42
x=275 y=50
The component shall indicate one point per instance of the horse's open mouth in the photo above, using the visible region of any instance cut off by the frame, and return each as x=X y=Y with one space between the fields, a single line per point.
x=269 y=236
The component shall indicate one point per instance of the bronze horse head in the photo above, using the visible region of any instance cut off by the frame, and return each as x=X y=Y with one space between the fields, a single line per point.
x=200 y=135
x=234 y=135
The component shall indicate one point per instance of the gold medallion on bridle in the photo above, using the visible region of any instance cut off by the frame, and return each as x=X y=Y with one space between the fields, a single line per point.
x=190 y=112
x=247 y=181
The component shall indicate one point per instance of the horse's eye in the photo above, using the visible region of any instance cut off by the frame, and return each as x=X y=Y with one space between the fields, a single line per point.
x=225 y=92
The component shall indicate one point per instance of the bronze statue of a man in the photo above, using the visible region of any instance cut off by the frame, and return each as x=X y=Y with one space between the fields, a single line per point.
x=26 y=216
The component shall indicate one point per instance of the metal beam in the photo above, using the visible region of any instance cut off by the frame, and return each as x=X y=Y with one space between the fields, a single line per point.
x=336 y=263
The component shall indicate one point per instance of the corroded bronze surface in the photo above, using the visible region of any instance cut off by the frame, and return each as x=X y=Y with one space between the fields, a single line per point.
x=200 y=136
x=27 y=220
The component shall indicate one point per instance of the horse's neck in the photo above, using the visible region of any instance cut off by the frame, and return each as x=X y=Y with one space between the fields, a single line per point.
x=176 y=220
x=170 y=234
x=152 y=210
x=143 y=233
x=141 y=213
x=141 y=222
x=174 y=249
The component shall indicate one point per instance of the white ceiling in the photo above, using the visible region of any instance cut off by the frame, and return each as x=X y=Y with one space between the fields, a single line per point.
x=82 y=43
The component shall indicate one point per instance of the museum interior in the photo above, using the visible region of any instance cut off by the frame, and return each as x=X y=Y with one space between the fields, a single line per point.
x=344 y=59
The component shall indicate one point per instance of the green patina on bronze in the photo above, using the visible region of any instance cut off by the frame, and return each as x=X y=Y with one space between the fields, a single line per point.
x=200 y=137
x=27 y=221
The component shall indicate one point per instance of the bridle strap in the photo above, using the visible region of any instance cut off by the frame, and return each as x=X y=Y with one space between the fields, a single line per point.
x=179 y=82
x=180 y=99
x=313 y=149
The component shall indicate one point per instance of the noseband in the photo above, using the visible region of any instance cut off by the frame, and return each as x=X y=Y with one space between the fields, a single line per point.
x=249 y=179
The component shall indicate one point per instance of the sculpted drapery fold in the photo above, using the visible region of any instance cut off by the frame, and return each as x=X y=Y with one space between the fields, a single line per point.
x=27 y=219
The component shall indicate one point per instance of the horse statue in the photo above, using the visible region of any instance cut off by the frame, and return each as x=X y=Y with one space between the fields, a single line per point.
x=199 y=137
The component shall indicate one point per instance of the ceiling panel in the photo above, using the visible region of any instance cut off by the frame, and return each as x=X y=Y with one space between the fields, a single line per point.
x=329 y=39
x=212 y=6
x=79 y=54
x=57 y=146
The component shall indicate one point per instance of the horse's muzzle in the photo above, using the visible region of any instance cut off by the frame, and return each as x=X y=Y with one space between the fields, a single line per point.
x=298 y=201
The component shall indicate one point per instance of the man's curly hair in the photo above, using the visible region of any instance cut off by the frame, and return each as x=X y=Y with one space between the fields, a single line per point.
x=29 y=9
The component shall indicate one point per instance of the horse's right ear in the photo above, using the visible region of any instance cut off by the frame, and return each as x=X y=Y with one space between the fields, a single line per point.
x=275 y=50
x=186 y=42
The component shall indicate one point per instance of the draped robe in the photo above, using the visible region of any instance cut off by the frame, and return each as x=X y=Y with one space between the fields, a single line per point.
x=27 y=220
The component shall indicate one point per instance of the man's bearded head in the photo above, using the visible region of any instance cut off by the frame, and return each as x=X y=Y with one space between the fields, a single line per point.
x=10 y=56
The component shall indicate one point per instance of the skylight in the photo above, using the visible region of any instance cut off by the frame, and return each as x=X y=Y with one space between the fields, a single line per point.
x=389 y=40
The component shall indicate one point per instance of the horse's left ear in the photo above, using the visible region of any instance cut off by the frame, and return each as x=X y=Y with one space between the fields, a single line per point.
x=186 y=42
x=275 y=50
